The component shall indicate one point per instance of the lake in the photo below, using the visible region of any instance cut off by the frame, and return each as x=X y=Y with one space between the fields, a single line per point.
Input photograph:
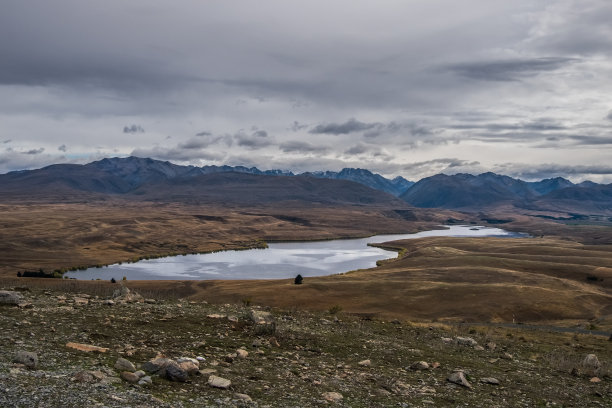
x=278 y=261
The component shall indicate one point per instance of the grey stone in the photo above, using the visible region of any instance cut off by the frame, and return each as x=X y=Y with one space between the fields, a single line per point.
x=29 y=359
x=332 y=396
x=242 y=397
x=458 y=377
x=174 y=372
x=420 y=365
x=8 y=297
x=130 y=377
x=156 y=365
x=219 y=382
x=591 y=365
x=466 y=341
x=489 y=380
x=146 y=380
x=124 y=365
x=365 y=363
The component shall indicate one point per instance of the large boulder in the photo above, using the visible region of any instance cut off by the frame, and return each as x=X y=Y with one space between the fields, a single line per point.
x=28 y=359
x=8 y=297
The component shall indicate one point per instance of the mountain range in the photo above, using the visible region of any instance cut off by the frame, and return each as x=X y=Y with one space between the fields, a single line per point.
x=146 y=178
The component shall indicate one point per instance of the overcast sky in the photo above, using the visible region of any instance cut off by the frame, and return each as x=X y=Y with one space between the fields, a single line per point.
x=410 y=87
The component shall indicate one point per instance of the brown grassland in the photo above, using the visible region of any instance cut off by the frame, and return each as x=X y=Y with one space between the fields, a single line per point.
x=564 y=273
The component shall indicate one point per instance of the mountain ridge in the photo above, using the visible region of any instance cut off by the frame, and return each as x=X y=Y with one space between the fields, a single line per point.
x=135 y=176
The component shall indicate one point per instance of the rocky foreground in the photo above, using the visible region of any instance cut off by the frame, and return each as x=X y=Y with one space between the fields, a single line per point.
x=79 y=350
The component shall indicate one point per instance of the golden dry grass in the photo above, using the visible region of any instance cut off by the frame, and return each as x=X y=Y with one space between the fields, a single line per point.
x=476 y=279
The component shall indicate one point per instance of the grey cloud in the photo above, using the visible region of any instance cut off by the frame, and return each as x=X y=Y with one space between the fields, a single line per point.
x=592 y=140
x=574 y=27
x=256 y=140
x=609 y=117
x=509 y=70
x=194 y=144
x=133 y=129
x=260 y=133
x=356 y=149
x=539 y=172
x=350 y=126
x=296 y=126
x=34 y=151
x=6 y=141
x=203 y=134
x=301 y=147
x=178 y=154
x=62 y=148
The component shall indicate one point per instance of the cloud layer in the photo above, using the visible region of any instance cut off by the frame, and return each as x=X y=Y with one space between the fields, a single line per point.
x=398 y=87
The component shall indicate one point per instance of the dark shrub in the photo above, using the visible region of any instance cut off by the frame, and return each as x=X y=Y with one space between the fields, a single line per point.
x=298 y=280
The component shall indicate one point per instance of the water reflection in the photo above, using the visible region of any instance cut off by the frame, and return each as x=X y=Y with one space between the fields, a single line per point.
x=279 y=261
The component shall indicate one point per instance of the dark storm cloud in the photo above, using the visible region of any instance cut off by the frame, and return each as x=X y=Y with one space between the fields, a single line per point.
x=350 y=126
x=6 y=141
x=591 y=140
x=301 y=147
x=34 y=151
x=258 y=139
x=509 y=70
x=356 y=149
x=609 y=117
x=62 y=148
x=203 y=134
x=133 y=129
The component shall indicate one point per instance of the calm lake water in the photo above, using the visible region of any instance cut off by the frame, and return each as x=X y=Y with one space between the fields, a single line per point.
x=279 y=261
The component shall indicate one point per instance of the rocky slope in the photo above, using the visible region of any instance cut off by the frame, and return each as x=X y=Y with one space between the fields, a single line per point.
x=65 y=349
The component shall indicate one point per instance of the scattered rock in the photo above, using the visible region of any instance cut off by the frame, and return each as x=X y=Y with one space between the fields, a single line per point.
x=264 y=321
x=420 y=365
x=124 y=365
x=591 y=365
x=207 y=371
x=190 y=367
x=466 y=341
x=446 y=340
x=80 y=301
x=365 y=363
x=146 y=380
x=489 y=380
x=219 y=382
x=140 y=373
x=478 y=347
x=89 y=377
x=8 y=297
x=240 y=353
x=108 y=302
x=88 y=348
x=507 y=356
x=595 y=380
x=130 y=377
x=491 y=346
x=332 y=396
x=242 y=397
x=216 y=316
x=174 y=372
x=458 y=377
x=125 y=295
x=27 y=358
x=156 y=365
